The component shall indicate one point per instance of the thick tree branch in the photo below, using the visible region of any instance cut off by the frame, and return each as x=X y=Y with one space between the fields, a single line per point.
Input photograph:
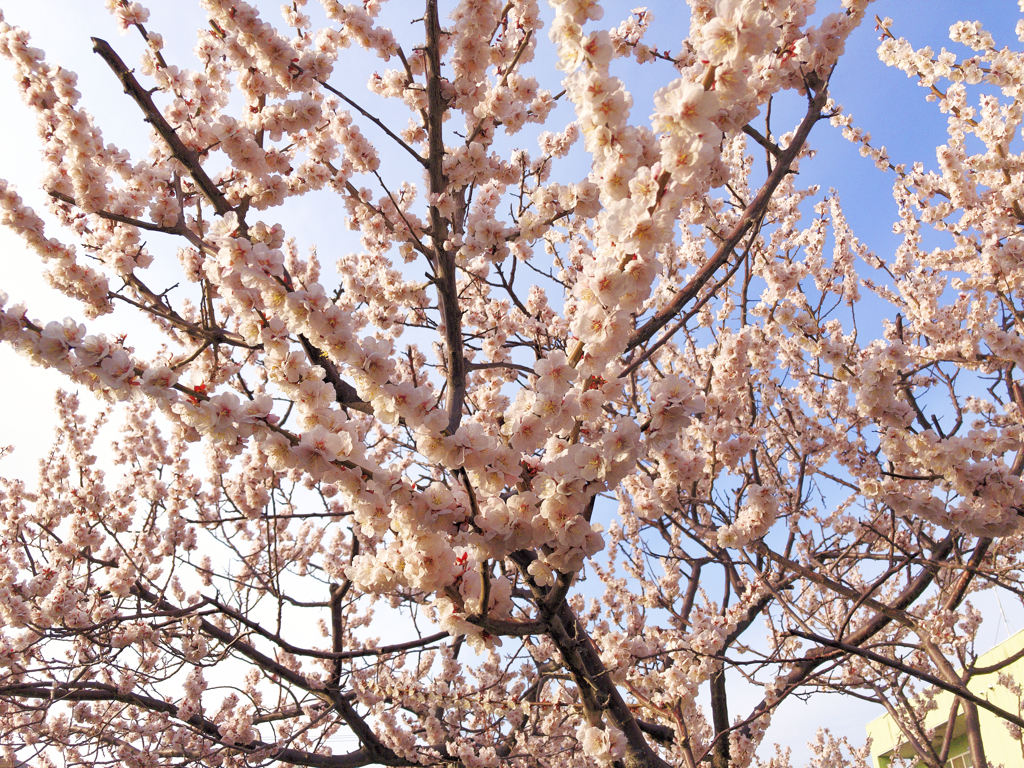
x=972 y=720
x=189 y=158
x=720 y=717
x=601 y=698
x=95 y=691
x=345 y=394
x=443 y=258
x=751 y=215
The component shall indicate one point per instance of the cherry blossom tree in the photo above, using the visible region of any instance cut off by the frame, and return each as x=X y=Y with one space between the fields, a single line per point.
x=604 y=417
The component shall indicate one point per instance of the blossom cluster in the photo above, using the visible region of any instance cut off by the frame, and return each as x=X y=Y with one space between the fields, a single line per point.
x=460 y=410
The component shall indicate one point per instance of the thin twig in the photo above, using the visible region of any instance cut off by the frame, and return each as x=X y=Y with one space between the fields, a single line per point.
x=419 y=158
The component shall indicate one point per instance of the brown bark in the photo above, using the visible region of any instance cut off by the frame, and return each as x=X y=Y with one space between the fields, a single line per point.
x=445 y=273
